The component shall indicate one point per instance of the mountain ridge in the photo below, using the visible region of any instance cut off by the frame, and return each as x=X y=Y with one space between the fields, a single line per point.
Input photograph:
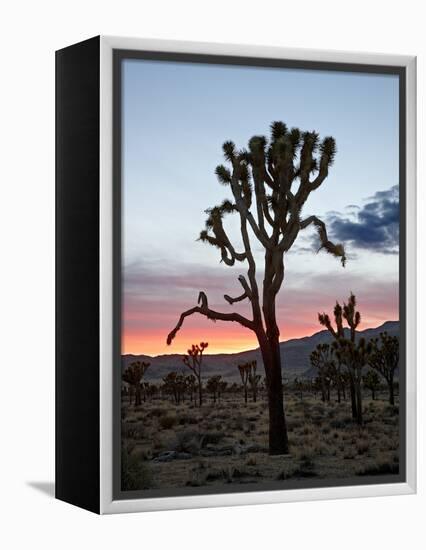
x=294 y=356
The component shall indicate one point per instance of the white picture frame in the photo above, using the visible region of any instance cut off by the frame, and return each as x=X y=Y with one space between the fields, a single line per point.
x=108 y=504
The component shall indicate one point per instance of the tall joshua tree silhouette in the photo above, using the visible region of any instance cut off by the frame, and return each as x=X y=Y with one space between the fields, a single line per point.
x=353 y=354
x=194 y=361
x=270 y=183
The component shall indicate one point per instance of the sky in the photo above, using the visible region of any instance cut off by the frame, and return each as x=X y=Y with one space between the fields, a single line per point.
x=175 y=117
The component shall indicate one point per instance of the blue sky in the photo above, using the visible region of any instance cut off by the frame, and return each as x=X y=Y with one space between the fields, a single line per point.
x=176 y=117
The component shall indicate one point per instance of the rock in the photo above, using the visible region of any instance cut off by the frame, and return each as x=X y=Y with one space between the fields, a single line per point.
x=253 y=448
x=168 y=456
x=207 y=452
x=184 y=456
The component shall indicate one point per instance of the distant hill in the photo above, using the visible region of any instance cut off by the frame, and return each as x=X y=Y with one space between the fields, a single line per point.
x=294 y=356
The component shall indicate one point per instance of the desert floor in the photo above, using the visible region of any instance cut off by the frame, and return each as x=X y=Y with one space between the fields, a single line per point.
x=169 y=446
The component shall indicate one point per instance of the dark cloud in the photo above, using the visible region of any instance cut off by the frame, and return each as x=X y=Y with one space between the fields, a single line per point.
x=375 y=226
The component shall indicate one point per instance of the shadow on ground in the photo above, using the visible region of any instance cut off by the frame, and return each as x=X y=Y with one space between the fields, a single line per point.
x=46 y=487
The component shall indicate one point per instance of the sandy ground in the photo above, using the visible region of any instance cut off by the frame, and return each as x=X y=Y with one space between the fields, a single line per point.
x=169 y=446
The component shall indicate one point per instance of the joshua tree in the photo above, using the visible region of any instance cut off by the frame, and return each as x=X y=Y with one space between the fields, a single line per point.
x=244 y=373
x=254 y=379
x=322 y=359
x=213 y=386
x=171 y=386
x=338 y=334
x=191 y=385
x=299 y=386
x=222 y=388
x=133 y=376
x=385 y=359
x=372 y=382
x=270 y=184
x=194 y=361
x=354 y=355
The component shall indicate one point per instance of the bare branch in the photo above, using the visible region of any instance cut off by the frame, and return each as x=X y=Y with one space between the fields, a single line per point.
x=335 y=249
x=232 y=301
x=210 y=314
x=246 y=294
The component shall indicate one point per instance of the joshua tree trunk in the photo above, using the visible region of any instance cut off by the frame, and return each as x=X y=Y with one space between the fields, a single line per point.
x=200 y=392
x=339 y=384
x=359 y=404
x=138 y=396
x=353 y=396
x=278 y=439
x=391 y=392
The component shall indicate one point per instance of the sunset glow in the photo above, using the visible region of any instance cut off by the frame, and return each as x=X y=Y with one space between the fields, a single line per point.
x=173 y=130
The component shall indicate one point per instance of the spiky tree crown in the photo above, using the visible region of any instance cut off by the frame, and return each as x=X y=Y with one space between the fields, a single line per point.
x=134 y=373
x=273 y=165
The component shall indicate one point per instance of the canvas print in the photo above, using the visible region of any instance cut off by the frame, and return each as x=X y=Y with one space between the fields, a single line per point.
x=260 y=294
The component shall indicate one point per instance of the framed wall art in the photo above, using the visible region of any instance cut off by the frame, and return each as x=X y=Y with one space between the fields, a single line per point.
x=235 y=275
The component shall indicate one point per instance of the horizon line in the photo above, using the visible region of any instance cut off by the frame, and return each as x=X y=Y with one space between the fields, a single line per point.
x=256 y=348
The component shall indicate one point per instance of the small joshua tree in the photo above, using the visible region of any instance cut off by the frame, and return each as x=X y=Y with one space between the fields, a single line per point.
x=385 y=359
x=371 y=381
x=244 y=373
x=194 y=361
x=213 y=386
x=299 y=386
x=270 y=183
x=133 y=376
x=191 y=385
x=354 y=355
x=171 y=386
x=322 y=359
x=254 y=380
x=250 y=378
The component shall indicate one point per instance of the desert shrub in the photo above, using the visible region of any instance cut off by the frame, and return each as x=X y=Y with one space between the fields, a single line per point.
x=196 y=480
x=294 y=424
x=362 y=446
x=391 y=410
x=189 y=441
x=212 y=438
x=167 y=422
x=316 y=420
x=349 y=454
x=132 y=430
x=157 y=411
x=323 y=449
x=337 y=424
x=304 y=472
x=307 y=429
x=286 y=473
x=214 y=475
x=306 y=457
x=135 y=474
x=318 y=409
x=380 y=468
x=184 y=419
